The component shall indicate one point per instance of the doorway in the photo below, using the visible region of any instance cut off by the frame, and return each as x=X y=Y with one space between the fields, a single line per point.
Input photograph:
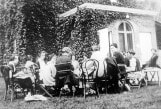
x=145 y=46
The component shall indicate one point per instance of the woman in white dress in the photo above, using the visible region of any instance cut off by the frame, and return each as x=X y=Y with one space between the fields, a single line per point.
x=50 y=71
x=42 y=63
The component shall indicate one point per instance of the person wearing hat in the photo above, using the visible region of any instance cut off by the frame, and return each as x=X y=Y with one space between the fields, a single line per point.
x=65 y=57
x=69 y=79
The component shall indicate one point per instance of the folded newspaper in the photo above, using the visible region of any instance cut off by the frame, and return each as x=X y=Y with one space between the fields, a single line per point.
x=35 y=98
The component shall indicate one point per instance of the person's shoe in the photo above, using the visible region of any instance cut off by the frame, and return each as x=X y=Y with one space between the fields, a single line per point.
x=65 y=89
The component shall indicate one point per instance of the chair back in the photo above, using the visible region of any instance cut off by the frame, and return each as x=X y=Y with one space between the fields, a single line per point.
x=5 y=72
x=63 y=68
x=90 y=67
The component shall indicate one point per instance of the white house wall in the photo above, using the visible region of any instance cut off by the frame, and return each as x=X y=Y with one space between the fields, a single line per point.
x=140 y=24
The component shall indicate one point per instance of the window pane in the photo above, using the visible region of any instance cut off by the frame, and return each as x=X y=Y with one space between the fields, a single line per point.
x=121 y=27
x=128 y=28
x=129 y=41
x=122 y=41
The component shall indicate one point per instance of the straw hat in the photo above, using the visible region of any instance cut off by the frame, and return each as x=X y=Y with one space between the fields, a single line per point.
x=67 y=50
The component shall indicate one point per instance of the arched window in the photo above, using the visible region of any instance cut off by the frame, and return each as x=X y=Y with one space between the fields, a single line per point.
x=125 y=36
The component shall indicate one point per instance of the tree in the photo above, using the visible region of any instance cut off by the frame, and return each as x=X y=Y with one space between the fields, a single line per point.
x=11 y=24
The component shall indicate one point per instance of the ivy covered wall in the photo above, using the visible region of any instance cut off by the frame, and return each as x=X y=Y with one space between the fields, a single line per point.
x=83 y=28
x=35 y=25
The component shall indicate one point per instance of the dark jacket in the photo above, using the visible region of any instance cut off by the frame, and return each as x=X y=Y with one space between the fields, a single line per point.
x=152 y=61
x=119 y=57
x=138 y=66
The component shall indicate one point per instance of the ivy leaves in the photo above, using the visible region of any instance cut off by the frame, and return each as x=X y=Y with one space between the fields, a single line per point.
x=36 y=26
x=83 y=27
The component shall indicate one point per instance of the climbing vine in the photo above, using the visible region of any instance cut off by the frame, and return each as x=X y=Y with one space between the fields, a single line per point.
x=80 y=31
x=35 y=25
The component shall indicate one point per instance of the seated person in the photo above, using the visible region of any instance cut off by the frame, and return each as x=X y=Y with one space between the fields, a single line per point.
x=29 y=66
x=120 y=61
x=158 y=62
x=76 y=66
x=134 y=63
x=28 y=70
x=89 y=65
x=50 y=71
x=97 y=55
x=23 y=80
x=42 y=64
x=14 y=60
x=118 y=56
x=66 y=58
x=153 y=60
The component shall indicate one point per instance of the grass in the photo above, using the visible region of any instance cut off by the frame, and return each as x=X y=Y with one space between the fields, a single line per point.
x=144 y=98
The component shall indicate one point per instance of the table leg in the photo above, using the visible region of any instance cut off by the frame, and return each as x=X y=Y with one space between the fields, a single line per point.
x=158 y=78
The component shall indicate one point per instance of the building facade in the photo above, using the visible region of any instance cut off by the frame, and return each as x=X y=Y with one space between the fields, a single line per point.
x=137 y=32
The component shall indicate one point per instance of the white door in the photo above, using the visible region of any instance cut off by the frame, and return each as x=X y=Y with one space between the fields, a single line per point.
x=145 y=46
x=104 y=41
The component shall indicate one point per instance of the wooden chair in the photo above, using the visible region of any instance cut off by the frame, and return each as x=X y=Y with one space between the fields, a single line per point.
x=12 y=85
x=88 y=77
x=65 y=76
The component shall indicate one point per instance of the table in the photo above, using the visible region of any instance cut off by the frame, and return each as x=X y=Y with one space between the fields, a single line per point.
x=152 y=71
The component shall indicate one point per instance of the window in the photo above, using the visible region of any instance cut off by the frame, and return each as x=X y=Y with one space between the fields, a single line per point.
x=125 y=37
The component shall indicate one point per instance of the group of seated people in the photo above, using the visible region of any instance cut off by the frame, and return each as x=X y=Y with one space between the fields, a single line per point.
x=48 y=72
x=46 y=67
x=131 y=62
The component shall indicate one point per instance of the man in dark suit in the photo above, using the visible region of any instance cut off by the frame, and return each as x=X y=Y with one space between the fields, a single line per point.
x=153 y=59
x=68 y=78
x=118 y=56
x=118 y=65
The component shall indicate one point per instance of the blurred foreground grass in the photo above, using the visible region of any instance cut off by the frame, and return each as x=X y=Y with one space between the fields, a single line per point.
x=144 y=98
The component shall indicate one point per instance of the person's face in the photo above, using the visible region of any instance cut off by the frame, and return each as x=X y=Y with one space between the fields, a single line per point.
x=113 y=49
x=153 y=52
x=53 y=59
x=84 y=57
x=43 y=55
x=73 y=57
x=127 y=54
x=16 y=60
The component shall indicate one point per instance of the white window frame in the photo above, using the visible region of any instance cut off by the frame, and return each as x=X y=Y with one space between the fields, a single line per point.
x=125 y=32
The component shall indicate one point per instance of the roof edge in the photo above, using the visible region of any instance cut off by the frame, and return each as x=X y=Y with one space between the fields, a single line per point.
x=109 y=8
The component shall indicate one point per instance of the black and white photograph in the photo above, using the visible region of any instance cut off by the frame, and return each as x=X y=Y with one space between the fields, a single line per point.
x=80 y=54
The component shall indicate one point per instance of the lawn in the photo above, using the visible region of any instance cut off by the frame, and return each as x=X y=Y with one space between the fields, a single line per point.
x=146 y=97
